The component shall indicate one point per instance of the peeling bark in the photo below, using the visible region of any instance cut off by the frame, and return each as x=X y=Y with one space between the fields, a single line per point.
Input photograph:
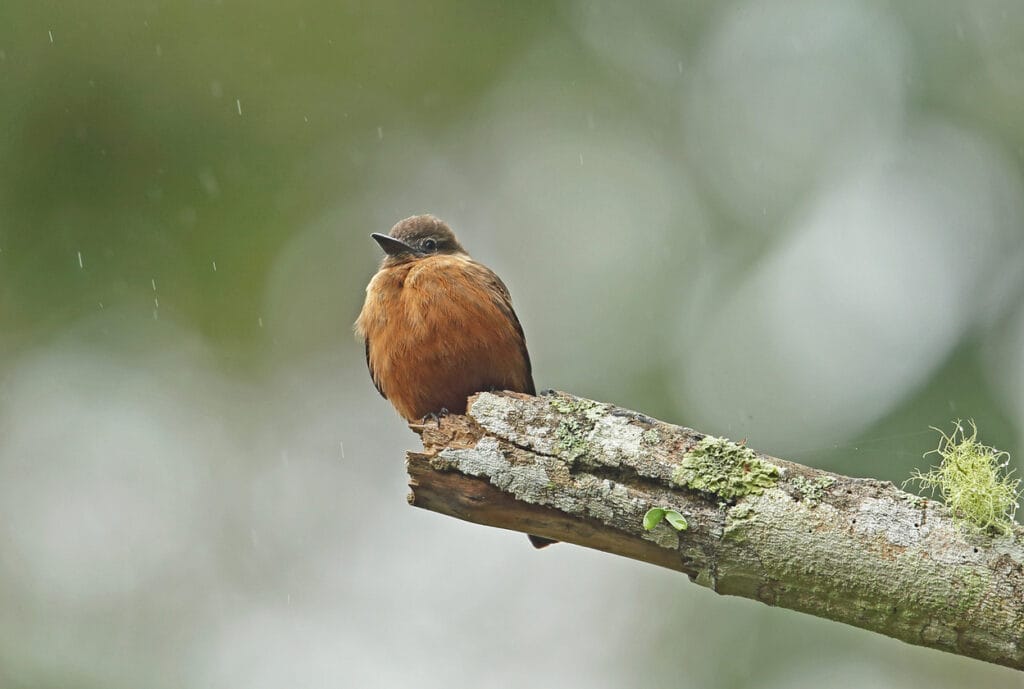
x=858 y=551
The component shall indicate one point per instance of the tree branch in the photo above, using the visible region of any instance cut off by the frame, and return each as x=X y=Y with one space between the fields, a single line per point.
x=858 y=551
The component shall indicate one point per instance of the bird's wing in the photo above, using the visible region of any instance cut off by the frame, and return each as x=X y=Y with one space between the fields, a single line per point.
x=373 y=375
x=503 y=300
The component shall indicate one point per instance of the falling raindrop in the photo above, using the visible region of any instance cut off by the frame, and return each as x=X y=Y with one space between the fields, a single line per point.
x=208 y=180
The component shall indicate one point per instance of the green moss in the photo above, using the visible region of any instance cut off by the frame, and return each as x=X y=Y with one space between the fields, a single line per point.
x=724 y=468
x=650 y=437
x=973 y=480
x=812 y=492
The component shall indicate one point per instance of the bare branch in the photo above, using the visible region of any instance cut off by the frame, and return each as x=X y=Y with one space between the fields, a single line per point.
x=858 y=551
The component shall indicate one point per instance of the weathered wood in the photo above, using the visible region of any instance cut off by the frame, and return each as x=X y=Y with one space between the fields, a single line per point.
x=858 y=551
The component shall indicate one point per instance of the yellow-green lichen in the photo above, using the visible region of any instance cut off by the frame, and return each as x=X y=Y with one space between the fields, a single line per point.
x=724 y=468
x=811 y=492
x=973 y=480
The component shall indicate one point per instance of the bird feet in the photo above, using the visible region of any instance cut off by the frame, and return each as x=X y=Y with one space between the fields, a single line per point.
x=436 y=416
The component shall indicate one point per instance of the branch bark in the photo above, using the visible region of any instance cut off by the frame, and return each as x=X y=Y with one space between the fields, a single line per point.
x=854 y=550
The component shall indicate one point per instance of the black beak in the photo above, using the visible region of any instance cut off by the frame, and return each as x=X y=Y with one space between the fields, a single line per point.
x=392 y=246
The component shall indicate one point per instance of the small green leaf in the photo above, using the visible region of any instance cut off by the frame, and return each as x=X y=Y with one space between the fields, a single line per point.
x=676 y=520
x=653 y=517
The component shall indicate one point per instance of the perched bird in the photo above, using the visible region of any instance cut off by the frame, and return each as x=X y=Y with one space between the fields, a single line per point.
x=438 y=326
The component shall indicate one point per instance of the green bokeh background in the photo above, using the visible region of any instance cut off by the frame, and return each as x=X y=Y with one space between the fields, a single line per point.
x=198 y=482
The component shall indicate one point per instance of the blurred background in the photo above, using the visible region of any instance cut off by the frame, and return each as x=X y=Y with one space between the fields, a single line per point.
x=791 y=221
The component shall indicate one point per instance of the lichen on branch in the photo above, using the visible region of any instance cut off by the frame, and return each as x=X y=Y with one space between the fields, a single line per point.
x=973 y=480
x=726 y=469
x=855 y=550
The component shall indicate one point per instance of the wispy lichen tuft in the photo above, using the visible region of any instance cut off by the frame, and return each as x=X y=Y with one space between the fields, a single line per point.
x=973 y=480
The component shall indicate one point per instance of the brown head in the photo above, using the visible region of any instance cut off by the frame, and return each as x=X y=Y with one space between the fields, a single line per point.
x=415 y=238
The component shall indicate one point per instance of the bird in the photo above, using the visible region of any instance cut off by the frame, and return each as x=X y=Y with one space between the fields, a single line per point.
x=439 y=326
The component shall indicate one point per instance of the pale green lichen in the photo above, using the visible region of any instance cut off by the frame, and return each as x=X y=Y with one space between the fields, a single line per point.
x=725 y=469
x=741 y=512
x=562 y=405
x=736 y=522
x=571 y=443
x=571 y=433
x=973 y=480
x=812 y=492
x=591 y=410
x=650 y=437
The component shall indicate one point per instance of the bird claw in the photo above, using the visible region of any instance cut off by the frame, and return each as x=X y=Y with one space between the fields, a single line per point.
x=436 y=416
x=547 y=392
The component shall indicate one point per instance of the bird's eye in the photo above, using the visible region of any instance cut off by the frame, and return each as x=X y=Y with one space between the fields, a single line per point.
x=429 y=245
